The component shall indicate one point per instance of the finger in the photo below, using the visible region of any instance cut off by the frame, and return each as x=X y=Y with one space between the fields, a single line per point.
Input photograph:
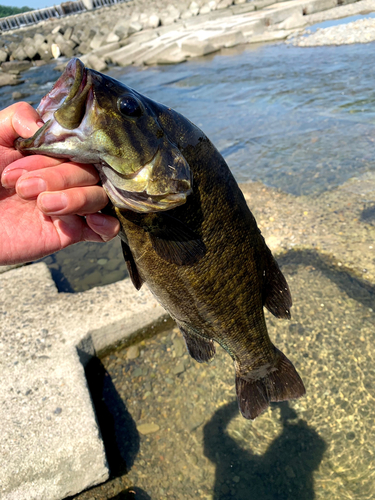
x=58 y=178
x=15 y=170
x=106 y=226
x=19 y=119
x=73 y=229
x=80 y=200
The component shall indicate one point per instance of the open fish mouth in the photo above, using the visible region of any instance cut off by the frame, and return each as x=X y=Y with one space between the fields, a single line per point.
x=70 y=89
x=65 y=110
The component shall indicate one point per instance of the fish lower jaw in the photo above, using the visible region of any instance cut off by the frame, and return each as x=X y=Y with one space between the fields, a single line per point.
x=141 y=202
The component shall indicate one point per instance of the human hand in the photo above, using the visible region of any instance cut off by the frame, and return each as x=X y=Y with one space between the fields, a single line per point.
x=43 y=200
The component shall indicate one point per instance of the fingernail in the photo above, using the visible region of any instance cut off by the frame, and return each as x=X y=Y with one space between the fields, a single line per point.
x=31 y=187
x=53 y=203
x=9 y=179
x=99 y=220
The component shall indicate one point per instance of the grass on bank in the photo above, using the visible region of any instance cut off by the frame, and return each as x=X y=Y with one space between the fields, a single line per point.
x=11 y=11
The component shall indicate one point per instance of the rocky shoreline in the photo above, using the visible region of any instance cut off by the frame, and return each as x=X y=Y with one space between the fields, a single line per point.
x=167 y=33
x=360 y=31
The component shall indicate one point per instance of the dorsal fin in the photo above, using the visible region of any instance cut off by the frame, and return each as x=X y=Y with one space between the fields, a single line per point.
x=276 y=294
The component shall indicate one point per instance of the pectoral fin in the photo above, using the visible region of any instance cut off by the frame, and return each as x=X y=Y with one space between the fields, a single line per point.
x=174 y=242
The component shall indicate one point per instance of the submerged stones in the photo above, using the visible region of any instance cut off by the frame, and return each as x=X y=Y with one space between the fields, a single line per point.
x=147 y=428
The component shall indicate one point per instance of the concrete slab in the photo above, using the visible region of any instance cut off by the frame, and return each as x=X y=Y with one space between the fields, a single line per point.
x=126 y=55
x=50 y=444
x=344 y=10
x=4 y=269
x=193 y=47
x=168 y=54
x=252 y=22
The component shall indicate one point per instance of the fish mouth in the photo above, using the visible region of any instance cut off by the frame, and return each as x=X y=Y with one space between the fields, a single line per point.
x=62 y=110
x=67 y=100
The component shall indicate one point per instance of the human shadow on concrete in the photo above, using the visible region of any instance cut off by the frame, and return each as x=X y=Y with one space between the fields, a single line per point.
x=119 y=432
x=132 y=494
x=284 y=472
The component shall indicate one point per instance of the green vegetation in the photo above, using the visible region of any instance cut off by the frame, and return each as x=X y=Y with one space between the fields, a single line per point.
x=11 y=11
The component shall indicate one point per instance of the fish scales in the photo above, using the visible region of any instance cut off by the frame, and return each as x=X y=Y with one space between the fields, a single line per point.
x=186 y=229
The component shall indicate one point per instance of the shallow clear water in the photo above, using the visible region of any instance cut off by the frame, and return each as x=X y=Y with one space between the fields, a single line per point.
x=295 y=118
x=336 y=22
x=299 y=119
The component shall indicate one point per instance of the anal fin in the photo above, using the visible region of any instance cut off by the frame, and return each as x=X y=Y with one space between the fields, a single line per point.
x=280 y=383
x=199 y=348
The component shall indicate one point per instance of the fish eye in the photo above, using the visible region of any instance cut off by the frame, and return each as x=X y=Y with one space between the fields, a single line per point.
x=129 y=106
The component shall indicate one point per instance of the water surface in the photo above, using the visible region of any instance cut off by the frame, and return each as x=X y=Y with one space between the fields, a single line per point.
x=300 y=119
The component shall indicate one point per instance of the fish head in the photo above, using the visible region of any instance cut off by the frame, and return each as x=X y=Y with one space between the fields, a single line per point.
x=92 y=118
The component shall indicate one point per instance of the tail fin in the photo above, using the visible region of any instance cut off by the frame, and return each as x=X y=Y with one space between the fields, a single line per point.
x=281 y=383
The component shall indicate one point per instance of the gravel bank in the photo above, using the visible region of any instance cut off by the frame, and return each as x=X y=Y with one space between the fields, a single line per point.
x=361 y=31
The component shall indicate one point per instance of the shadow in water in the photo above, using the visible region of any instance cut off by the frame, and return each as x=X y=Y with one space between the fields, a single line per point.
x=368 y=215
x=132 y=494
x=119 y=432
x=356 y=288
x=284 y=472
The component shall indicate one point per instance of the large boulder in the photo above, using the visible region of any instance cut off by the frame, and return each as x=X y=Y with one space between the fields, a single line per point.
x=45 y=52
x=19 y=54
x=15 y=67
x=169 y=15
x=9 y=79
x=3 y=55
x=38 y=39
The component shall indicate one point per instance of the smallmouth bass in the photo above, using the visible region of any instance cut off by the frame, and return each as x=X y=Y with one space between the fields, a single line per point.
x=186 y=230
